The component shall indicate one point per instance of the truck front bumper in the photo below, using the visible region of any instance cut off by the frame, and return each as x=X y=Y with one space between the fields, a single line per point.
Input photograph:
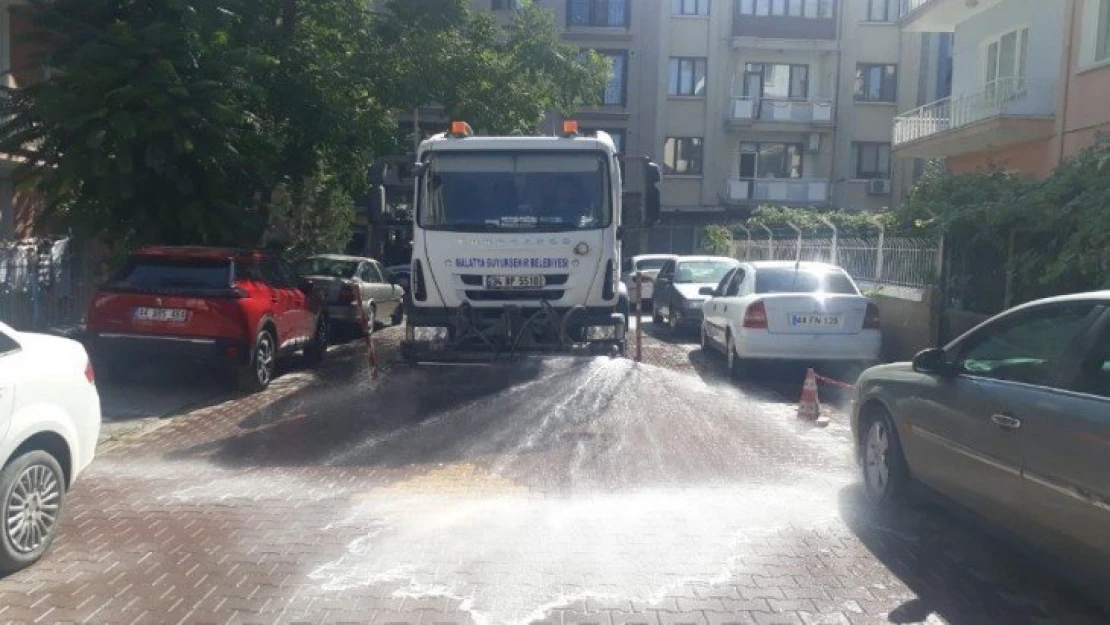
x=509 y=330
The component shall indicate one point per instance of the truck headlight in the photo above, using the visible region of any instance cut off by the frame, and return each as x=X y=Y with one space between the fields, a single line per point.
x=601 y=333
x=430 y=334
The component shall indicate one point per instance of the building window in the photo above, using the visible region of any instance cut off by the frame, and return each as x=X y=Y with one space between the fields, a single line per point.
x=821 y=9
x=615 y=92
x=878 y=10
x=1102 y=43
x=616 y=133
x=505 y=5
x=770 y=160
x=682 y=156
x=777 y=81
x=872 y=160
x=876 y=83
x=690 y=7
x=687 y=76
x=599 y=13
x=1006 y=59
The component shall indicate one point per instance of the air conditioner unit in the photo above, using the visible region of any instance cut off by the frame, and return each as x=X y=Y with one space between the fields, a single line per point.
x=813 y=143
x=878 y=187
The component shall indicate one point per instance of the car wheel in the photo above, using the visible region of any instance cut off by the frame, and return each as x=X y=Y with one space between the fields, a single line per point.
x=885 y=474
x=32 y=488
x=672 y=322
x=398 y=316
x=372 y=318
x=656 y=316
x=737 y=366
x=314 y=352
x=704 y=338
x=260 y=372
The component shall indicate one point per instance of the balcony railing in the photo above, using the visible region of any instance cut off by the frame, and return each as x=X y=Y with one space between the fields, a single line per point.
x=784 y=190
x=1007 y=96
x=748 y=109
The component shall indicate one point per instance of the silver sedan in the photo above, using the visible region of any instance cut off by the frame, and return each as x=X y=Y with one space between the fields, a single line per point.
x=350 y=282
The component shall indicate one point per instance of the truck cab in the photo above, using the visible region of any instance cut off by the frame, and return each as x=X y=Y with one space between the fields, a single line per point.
x=516 y=244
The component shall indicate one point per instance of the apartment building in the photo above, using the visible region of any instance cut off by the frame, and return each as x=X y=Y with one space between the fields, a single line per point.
x=1030 y=83
x=780 y=102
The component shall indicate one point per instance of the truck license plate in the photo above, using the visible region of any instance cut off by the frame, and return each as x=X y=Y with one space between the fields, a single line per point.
x=815 y=321
x=515 y=282
x=167 y=315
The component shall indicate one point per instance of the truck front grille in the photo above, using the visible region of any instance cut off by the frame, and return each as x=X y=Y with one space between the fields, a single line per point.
x=512 y=296
x=553 y=279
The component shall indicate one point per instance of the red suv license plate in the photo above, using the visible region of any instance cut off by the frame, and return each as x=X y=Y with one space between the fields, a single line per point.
x=165 y=315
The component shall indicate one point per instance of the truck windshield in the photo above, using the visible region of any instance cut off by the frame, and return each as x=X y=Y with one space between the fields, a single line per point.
x=514 y=191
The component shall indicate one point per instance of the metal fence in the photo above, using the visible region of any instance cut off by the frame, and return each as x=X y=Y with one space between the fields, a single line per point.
x=45 y=284
x=901 y=261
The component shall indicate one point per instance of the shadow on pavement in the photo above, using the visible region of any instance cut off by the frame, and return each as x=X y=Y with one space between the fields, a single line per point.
x=958 y=569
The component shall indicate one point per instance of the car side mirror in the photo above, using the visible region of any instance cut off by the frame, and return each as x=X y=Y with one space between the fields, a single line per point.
x=933 y=361
x=707 y=290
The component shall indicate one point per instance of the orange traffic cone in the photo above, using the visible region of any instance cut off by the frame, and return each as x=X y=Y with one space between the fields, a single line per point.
x=809 y=408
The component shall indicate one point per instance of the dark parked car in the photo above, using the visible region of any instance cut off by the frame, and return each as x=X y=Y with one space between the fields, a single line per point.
x=1012 y=420
x=677 y=297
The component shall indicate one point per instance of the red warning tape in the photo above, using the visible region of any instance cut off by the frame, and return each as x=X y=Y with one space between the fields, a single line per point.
x=836 y=383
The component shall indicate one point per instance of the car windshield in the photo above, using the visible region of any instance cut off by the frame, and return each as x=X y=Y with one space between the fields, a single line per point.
x=650 y=264
x=701 y=271
x=784 y=280
x=327 y=267
x=478 y=192
x=166 y=273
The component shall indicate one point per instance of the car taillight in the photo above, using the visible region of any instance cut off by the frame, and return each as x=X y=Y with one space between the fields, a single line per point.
x=755 y=317
x=347 y=294
x=872 y=321
x=90 y=375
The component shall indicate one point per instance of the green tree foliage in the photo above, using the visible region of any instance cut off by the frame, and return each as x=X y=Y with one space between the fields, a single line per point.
x=847 y=223
x=311 y=217
x=501 y=80
x=1058 y=229
x=716 y=240
x=184 y=121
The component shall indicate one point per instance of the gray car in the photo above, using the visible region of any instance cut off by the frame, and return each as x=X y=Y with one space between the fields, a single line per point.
x=1012 y=420
x=346 y=282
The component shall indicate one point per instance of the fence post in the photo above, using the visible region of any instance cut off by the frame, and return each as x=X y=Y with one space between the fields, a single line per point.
x=798 y=243
x=748 y=247
x=770 y=242
x=879 y=254
x=834 y=254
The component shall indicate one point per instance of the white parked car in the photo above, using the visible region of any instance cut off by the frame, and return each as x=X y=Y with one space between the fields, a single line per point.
x=49 y=424
x=790 y=311
x=647 y=267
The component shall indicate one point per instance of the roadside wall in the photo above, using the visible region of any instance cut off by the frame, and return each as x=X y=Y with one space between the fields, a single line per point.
x=910 y=321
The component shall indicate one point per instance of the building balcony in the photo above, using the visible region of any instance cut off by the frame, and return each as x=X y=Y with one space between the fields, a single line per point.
x=771 y=113
x=940 y=16
x=785 y=27
x=802 y=191
x=1004 y=112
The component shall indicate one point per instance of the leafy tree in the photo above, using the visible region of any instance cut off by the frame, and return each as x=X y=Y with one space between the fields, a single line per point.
x=186 y=121
x=501 y=80
x=311 y=217
x=716 y=240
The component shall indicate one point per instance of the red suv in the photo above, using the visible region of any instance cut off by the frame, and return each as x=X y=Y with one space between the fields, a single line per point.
x=237 y=309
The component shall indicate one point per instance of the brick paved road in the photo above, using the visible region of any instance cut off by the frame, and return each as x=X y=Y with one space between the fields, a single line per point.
x=561 y=491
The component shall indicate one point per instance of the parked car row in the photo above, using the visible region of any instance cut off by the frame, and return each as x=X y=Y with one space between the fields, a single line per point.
x=766 y=310
x=236 y=310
